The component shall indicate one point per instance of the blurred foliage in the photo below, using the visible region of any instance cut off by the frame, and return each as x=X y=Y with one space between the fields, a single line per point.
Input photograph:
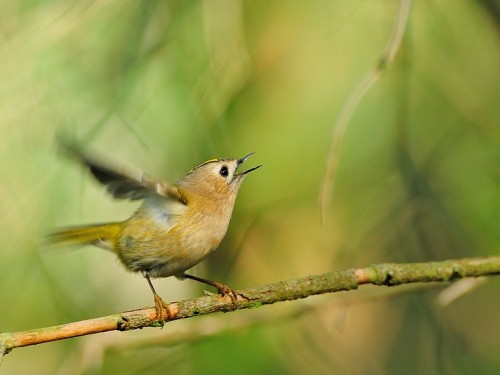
x=166 y=85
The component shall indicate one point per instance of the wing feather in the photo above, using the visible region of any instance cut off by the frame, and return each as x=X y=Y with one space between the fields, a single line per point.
x=122 y=185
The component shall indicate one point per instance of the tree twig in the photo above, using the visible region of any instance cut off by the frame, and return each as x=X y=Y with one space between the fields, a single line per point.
x=388 y=274
x=342 y=121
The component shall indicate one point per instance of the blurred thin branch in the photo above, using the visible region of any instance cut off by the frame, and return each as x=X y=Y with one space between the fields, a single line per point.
x=389 y=274
x=342 y=121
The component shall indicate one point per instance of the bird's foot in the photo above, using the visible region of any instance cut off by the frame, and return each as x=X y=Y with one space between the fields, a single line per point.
x=226 y=290
x=162 y=310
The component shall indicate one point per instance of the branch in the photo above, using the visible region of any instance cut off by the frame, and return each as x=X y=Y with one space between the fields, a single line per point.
x=342 y=121
x=388 y=274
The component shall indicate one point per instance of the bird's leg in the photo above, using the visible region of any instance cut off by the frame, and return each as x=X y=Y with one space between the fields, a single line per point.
x=221 y=288
x=160 y=305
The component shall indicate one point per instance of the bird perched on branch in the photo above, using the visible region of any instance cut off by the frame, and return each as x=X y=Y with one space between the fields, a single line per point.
x=176 y=226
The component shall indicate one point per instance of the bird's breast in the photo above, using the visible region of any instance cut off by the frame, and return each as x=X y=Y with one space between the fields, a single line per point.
x=167 y=240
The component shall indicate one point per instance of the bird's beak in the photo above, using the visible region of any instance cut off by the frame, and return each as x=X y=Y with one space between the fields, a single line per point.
x=242 y=160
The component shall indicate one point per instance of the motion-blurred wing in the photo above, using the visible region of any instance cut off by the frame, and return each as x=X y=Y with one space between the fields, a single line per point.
x=121 y=185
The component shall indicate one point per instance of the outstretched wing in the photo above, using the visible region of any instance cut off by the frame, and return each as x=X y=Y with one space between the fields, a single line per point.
x=120 y=184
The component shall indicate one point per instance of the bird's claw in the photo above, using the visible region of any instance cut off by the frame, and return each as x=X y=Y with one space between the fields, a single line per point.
x=161 y=307
x=225 y=290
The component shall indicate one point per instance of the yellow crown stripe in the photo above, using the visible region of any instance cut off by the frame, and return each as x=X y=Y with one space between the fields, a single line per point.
x=205 y=162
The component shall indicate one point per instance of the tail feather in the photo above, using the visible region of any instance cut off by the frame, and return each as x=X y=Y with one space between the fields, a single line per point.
x=102 y=235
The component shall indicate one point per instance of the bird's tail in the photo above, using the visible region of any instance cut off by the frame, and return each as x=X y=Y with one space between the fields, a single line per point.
x=102 y=235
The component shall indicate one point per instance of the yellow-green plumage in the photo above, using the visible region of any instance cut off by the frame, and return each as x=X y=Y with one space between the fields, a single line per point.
x=175 y=228
x=102 y=235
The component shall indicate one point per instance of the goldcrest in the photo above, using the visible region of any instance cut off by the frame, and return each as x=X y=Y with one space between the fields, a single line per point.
x=176 y=226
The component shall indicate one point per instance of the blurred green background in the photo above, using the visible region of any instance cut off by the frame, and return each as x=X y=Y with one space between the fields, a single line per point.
x=166 y=85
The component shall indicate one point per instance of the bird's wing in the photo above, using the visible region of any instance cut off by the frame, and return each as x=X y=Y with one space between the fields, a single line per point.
x=122 y=185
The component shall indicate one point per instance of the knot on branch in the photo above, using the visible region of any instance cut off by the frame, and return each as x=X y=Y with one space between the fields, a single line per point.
x=123 y=324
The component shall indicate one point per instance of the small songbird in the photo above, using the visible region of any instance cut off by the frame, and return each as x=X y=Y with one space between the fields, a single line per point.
x=176 y=226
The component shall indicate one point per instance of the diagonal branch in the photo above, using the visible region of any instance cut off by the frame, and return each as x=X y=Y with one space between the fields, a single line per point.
x=389 y=274
x=352 y=102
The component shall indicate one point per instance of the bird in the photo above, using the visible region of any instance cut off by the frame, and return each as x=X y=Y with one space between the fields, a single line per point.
x=176 y=227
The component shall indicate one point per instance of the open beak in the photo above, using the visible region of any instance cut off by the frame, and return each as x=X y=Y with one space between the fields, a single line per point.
x=242 y=160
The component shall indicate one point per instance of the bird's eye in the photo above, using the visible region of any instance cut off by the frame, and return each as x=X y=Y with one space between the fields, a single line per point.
x=223 y=171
